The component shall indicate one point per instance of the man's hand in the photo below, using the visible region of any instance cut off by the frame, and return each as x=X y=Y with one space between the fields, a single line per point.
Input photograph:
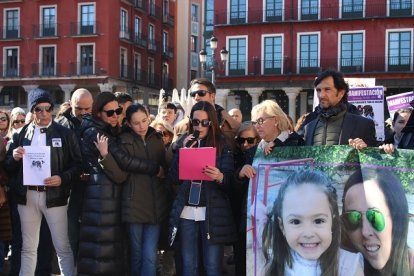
x=388 y=148
x=53 y=181
x=18 y=153
x=357 y=143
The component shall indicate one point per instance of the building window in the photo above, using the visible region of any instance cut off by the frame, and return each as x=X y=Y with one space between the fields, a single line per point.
x=12 y=24
x=151 y=72
x=124 y=25
x=151 y=38
x=352 y=8
x=86 y=62
x=237 y=56
x=165 y=49
x=11 y=62
x=152 y=7
x=400 y=7
x=209 y=15
x=47 y=67
x=87 y=19
x=273 y=58
x=137 y=67
x=165 y=80
x=237 y=11
x=352 y=49
x=48 y=27
x=309 y=54
x=274 y=10
x=194 y=44
x=123 y=63
x=309 y=9
x=399 y=51
x=194 y=13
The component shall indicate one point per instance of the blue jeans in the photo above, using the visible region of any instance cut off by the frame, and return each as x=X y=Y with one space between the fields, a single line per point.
x=143 y=239
x=191 y=234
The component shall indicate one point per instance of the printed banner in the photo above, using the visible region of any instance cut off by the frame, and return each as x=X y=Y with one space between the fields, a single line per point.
x=340 y=164
x=399 y=101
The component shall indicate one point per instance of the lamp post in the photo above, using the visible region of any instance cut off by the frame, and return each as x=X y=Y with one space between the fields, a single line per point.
x=203 y=57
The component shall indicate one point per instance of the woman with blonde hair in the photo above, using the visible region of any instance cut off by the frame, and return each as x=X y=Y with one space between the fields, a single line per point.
x=17 y=121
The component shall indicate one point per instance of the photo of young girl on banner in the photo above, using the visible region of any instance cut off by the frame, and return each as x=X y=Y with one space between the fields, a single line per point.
x=341 y=212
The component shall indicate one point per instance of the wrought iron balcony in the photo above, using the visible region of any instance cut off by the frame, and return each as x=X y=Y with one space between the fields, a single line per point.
x=11 y=32
x=11 y=71
x=45 y=30
x=84 y=68
x=45 y=70
x=140 y=40
x=168 y=20
x=84 y=28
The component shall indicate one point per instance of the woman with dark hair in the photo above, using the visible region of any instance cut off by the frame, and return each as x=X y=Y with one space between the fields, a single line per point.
x=101 y=235
x=375 y=220
x=201 y=213
x=4 y=125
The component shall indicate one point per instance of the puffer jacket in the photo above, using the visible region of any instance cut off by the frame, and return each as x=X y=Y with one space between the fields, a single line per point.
x=144 y=195
x=65 y=159
x=220 y=224
x=101 y=233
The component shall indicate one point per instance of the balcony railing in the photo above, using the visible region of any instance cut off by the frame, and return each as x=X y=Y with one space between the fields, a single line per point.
x=141 y=5
x=140 y=40
x=11 y=33
x=332 y=11
x=46 y=30
x=154 y=11
x=8 y=71
x=85 y=28
x=402 y=64
x=45 y=70
x=84 y=69
x=125 y=34
x=152 y=45
x=168 y=20
x=168 y=53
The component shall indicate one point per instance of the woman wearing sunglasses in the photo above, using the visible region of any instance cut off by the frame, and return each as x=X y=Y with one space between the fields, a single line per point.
x=201 y=214
x=101 y=234
x=17 y=119
x=4 y=125
x=375 y=221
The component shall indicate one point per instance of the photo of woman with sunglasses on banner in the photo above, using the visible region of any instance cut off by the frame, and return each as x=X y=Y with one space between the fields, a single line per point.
x=302 y=234
x=375 y=220
x=201 y=213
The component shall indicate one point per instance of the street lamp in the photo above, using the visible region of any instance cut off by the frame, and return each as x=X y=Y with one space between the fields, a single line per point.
x=203 y=57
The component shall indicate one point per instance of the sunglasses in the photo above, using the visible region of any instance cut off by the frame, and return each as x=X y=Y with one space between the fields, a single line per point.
x=164 y=133
x=3 y=119
x=39 y=109
x=200 y=93
x=260 y=121
x=241 y=140
x=111 y=112
x=204 y=122
x=22 y=121
x=352 y=220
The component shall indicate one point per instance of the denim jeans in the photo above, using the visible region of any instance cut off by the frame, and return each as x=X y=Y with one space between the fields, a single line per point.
x=143 y=239
x=191 y=233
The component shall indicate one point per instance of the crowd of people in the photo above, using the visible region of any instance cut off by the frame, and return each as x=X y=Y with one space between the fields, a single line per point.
x=114 y=199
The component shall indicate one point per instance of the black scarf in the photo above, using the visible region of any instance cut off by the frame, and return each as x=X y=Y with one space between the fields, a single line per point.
x=329 y=112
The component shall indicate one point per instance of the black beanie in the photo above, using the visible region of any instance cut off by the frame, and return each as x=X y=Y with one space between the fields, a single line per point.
x=37 y=96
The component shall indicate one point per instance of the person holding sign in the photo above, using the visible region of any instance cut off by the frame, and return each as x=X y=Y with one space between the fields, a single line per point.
x=50 y=197
x=201 y=212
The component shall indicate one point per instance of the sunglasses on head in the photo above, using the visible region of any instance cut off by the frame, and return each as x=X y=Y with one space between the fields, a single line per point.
x=3 y=119
x=204 y=122
x=111 y=112
x=22 y=121
x=200 y=93
x=39 y=109
x=352 y=220
x=241 y=140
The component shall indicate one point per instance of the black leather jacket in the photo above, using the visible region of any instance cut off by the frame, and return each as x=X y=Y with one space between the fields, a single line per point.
x=65 y=160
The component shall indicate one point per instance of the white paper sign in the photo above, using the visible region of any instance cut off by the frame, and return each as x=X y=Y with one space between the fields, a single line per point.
x=36 y=165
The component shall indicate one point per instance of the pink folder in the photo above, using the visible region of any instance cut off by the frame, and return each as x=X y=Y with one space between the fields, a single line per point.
x=193 y=160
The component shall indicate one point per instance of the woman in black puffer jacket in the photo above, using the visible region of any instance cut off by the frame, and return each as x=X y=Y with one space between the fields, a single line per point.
x=209 y=221
x=101 y=236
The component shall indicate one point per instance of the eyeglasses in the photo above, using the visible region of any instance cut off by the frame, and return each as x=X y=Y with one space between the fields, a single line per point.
x=3 y=119
x=22 y=121
x=164 y=133
x=39 y=109
x=241 y=140
x=260 y=121
x=111 y=112
x=200 y=93
x=352 y=220
x=204 y=122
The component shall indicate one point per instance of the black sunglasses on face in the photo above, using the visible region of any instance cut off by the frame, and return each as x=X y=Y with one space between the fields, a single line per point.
x=39 y=109
x=197 y=122
x=200 y=93
x=19 y=121
x=111 y=112
x=241 y=140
